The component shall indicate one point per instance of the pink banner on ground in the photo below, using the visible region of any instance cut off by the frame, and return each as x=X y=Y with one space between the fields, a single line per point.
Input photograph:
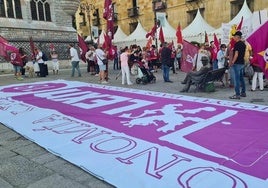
x=151 y=139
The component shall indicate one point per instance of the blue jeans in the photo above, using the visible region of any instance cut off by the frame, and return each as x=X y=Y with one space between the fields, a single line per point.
x=231 y=70
x=215 y=64
x=239 y=79
x=165 y=72
x=75 y=65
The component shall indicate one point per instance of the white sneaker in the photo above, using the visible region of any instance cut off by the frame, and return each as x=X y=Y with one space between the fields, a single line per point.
x=130 y=84
x=104 y=82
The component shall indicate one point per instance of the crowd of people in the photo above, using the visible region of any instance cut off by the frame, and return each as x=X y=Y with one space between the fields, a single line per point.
x=166 y=58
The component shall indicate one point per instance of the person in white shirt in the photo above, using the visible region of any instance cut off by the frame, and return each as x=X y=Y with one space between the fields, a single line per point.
x=101 y=56
x=39 y=60
x=74 y=60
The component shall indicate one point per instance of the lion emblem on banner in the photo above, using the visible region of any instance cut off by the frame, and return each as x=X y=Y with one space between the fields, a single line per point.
x=166 y=118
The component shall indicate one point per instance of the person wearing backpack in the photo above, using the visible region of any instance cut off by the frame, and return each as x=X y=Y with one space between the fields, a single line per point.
x=40 y=61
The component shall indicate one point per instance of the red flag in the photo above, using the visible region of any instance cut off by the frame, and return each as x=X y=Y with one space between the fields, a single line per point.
x=161 y=35
x=32 y=47
x=216 y=42
x=188 y=53
x=107 y=3
x=152 y=32
x=10 y=52
x=108 y=14
x=206 y=37
x=179 y=34
x=239 y=26
x=259 y=43
x=149 y=42
x=83 y=48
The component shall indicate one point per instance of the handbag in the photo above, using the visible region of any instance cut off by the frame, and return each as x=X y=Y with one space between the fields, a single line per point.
x=104 y=61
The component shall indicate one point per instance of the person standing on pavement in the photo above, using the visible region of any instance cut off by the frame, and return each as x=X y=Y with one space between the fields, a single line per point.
x=74 y=60
x=258 y=73
x=238 y=63
x=55 y=62
x=165 y=59
x=40 y=61
x=101 y=56
x=124 y=66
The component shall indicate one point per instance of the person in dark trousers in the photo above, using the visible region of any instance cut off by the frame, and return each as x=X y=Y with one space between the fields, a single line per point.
x=165 y=59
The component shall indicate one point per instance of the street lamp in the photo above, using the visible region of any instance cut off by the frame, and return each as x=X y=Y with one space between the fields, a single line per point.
x=88 y=7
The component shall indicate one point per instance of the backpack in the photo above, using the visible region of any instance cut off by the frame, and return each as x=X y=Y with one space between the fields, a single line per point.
x=44 y=57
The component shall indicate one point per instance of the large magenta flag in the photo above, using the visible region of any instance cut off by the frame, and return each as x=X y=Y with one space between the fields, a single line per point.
x=9 y=52
x=83 y=48
x=188 y=53
x=259 y=43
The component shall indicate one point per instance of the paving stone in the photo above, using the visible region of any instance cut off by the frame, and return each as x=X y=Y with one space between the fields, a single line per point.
x=4 y=184
x=56 y=181
x=19 y=171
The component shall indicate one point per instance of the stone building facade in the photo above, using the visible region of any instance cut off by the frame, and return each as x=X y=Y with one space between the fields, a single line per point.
x=128 y=13
x=46 y=21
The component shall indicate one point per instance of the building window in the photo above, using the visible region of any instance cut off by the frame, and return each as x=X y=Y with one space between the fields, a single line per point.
x=10 y=9
x=132 y=26
x=40 y=10
x=192 y=14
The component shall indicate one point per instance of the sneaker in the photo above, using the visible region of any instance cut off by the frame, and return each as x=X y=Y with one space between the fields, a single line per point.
x=130 y=84
x=96 y=74
x=104 y=82
x=243 y=95
x=235 y=97
x=19 y=78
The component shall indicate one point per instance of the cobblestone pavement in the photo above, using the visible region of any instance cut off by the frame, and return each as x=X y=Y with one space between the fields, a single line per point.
x=25 y=164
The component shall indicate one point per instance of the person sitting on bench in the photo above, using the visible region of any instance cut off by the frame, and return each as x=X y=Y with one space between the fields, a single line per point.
x=196 y=76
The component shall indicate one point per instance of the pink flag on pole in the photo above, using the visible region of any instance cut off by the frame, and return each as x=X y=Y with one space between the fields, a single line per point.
x=188 y=53
x=259 y=43
x=83 y=48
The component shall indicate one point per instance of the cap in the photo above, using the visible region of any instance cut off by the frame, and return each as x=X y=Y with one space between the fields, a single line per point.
x=238 y=33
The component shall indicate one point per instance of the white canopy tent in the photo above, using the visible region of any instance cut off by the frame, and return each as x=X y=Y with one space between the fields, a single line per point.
x=119 y=35
x=224 y=31
x=136 y=37
x=168 y=30
x=196 y=30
